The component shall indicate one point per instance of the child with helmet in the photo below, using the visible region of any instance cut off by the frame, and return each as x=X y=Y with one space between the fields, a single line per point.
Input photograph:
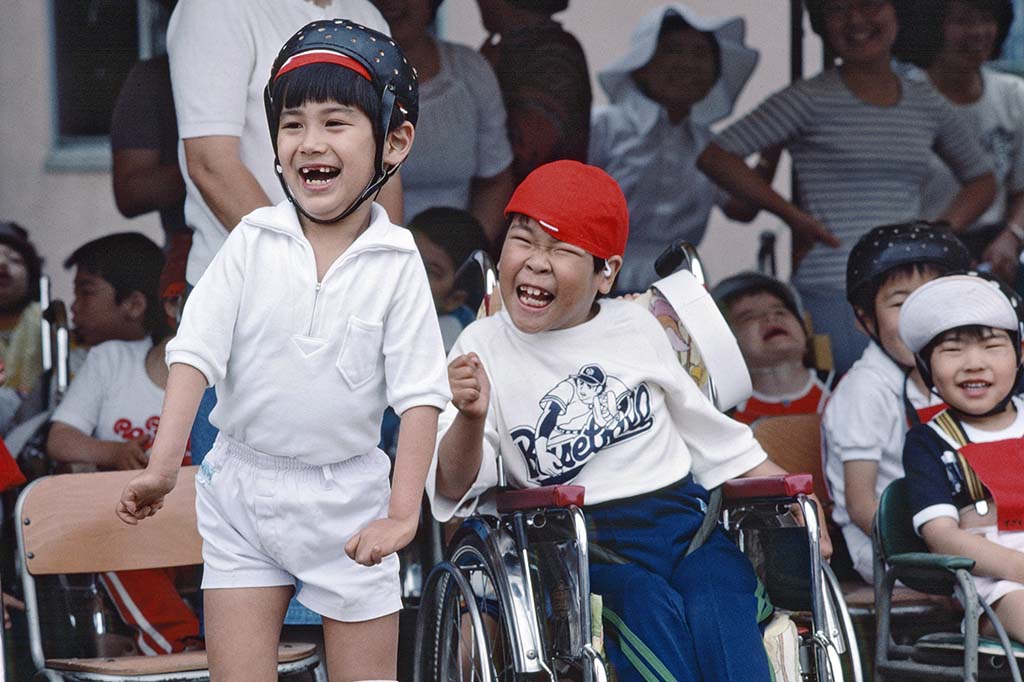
x=766 y=317
x=963 y=467
x=569 y=388
x=882 y=395
x=313 y=317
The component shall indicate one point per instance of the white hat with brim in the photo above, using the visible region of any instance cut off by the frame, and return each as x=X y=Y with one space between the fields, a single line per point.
x=950 y=302
x=737 y=60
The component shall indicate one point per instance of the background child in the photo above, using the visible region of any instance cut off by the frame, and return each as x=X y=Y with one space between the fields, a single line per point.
x=963 y=467
x=445 y=238
x=765 y=317
x=313 y=316
x=20 y=267
x=108 y=419
x=874 y=404
x=681 y=74
x=537 y=366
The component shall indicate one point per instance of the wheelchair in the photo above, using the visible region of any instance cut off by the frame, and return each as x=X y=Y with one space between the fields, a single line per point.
x=511 y=602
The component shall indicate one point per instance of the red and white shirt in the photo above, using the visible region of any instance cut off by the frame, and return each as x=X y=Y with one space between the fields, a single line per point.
x=808 y=400
x=112 y=397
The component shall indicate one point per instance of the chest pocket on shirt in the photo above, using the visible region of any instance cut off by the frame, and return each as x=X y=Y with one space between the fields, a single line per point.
x=360 y=351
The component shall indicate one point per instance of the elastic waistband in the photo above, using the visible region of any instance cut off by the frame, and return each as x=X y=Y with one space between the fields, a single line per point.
x=683 y=485
x=251 y=457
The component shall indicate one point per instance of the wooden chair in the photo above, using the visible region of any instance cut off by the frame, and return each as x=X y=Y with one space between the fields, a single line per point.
x=66 y=524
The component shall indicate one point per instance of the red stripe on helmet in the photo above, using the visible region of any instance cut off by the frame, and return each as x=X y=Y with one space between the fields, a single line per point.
x=322 y=57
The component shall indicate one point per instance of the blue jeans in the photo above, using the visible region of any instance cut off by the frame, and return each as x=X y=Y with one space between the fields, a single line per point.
x=671 y=616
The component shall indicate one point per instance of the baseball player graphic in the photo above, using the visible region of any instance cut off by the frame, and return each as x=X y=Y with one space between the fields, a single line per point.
x=581 y=405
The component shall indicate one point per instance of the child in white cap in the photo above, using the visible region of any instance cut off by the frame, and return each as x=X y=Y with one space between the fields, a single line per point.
x=965 y=467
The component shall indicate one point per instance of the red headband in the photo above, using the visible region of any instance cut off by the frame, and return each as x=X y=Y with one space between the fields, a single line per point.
x=322 y=57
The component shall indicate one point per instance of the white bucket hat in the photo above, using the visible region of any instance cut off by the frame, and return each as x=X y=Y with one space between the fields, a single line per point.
x=737 y=60
x=956 y=301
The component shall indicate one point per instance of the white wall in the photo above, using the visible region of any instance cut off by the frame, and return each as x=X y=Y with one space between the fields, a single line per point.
x=603 y=27
x=60 y=210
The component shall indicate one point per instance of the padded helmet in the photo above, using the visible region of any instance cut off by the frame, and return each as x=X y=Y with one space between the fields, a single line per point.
x=369 y=53
x=755 y=282
x=891 y=246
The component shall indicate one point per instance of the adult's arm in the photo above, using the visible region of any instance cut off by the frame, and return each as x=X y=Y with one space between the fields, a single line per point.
x=971 y=202
x=228 y=188
x=142 y=184
x=731 y=172
x=487 y=200
x=745 y=211
x=1004 y=251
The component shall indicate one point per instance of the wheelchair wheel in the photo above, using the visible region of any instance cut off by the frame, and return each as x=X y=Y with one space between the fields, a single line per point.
x=460 y=637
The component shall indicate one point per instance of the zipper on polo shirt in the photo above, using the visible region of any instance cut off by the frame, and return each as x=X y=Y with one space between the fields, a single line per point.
x=312 y=317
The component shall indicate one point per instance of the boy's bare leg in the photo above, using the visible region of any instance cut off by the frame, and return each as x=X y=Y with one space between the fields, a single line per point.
x=243 y=627
x=1010 y=609
x=366 y=650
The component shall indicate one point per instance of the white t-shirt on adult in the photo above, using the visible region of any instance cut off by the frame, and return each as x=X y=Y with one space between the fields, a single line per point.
x=221 y=53
x=460 y=134
x=998 y=119
x=112 y=397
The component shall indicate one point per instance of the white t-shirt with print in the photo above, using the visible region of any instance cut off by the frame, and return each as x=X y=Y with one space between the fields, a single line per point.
x=112 y=397
x=662 y=429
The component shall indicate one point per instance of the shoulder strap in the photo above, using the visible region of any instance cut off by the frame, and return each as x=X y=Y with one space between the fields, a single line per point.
x=950 y=430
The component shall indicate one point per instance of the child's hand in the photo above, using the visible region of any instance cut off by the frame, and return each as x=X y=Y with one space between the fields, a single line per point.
x=144 y=495
x=471 y=390
x=10 y=602
x=3 y=374
x=379 y=539
x=128 y=454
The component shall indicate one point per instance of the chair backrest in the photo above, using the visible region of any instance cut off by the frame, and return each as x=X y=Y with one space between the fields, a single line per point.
x=894 y=522
x=794 y=443
x=67 y=524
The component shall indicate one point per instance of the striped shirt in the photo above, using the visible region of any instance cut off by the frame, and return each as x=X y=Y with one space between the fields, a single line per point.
x=857 y=165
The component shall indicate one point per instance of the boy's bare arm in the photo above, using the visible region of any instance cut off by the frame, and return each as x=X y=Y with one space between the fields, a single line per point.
x=144 y=494
x=461 y=449
x=944 y=536
x=65 y=443
x=415 y=448
x=859 y=480
x=227 y=185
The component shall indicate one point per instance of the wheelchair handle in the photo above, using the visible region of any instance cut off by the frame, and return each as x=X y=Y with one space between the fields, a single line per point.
x=680 y=253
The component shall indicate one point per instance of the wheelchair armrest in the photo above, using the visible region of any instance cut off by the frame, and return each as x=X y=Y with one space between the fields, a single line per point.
x=765 y=487
x=538 y=498
x=924 y=560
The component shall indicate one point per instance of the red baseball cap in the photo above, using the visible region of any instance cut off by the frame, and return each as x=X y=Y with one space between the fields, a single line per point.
x=578 y=204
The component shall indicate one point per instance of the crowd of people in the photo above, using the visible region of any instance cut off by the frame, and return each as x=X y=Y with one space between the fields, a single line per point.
x=290 y=328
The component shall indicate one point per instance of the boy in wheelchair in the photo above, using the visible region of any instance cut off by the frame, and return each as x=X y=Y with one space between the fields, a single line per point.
x=963 y=467
x=537 y=384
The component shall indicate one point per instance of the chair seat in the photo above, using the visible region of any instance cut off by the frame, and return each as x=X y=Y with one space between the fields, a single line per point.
x=860 y=596
x=185 y=661
x=954 y=641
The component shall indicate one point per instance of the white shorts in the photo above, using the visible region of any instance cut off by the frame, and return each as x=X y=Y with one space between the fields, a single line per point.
x=992 y=589
x=267 y=521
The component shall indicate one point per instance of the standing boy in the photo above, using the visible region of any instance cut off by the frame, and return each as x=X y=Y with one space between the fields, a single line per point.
x=313 y=317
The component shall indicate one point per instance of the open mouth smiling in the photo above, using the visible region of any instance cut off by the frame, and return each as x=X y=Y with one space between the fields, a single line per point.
x=533 y=297
x=318 y=176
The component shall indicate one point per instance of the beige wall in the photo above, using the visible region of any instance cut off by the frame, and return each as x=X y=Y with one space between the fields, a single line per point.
x=60 y=210
x=63 y=209
x=604 y=27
